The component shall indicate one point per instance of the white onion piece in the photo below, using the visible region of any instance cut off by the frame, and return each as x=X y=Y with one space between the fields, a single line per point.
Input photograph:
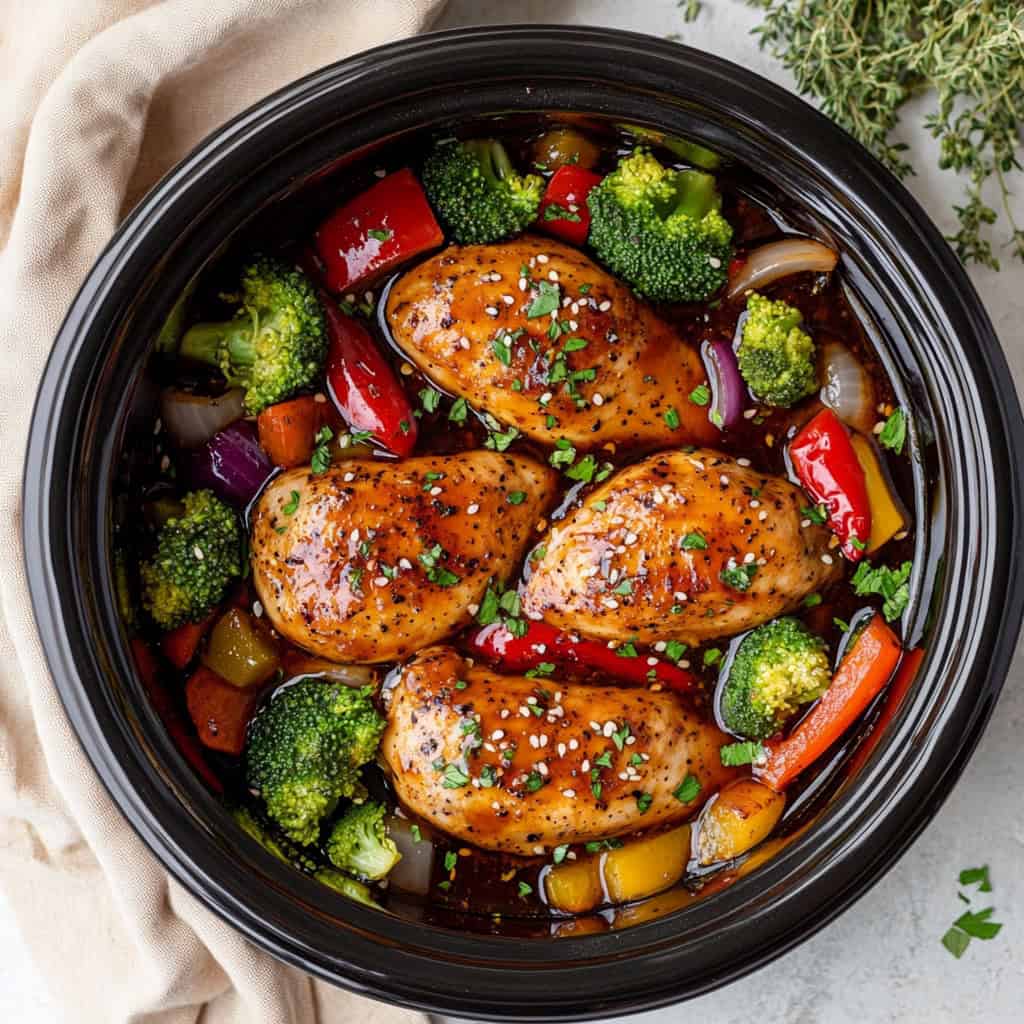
x=348 y=675
x=413 y=872
x=775 y=260
x=193 y=419
x=848 y=391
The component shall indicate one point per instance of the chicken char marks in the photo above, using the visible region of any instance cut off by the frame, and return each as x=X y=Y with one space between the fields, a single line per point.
x=685 y=546
x=371 y=561
x=611 y=375
x=468 y=754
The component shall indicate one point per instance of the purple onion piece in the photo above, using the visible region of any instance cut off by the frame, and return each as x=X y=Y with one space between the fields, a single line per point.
x=728 y=392
x=232 y=464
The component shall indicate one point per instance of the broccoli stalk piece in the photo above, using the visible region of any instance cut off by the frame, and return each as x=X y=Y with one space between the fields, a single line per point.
x=477 y=193
x=277 y=342
x=777 y=668
x=198 y=553
x=359 y=843
x=345 y=885
x=305 y=749
x=775 y=356
x=660 y=229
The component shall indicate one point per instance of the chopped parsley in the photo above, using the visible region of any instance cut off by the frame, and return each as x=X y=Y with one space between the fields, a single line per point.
x=534 y=781
x=643 y=802
x=430 y=399
x=620 y=736
x=553 y=211
x=583 y=470
x=605 y=760
x=431 y=561
x=502 y=348
x=687 y=790
x=320 y=461
x=525 y=889
x=674 y=650
x=458 y=411
x=542 y=668
x=547 y=300
x=672 y=418
x=451 y=858
x=979 y=876
x=624 y=589
x=417 y=835
x=626 y=650
x=733 y=755
x=693 y=542
x=812 y=600
x=816 y=513
x=894 y=434
x=380 y=234
x=712 y=656
x=700 y=395
x=972 y=924
x=430 y=478
x=574 y=344
x=403 y=426
x=739 y=577
x=516 y=497
x=563 y=455
x=559 y=852
x=892 y=585
x=454 y=777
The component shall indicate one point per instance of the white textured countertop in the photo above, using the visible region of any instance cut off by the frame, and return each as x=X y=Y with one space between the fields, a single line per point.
x=881 y=961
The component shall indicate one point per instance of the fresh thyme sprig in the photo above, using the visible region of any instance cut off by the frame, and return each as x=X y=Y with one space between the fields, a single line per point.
x=863 y=59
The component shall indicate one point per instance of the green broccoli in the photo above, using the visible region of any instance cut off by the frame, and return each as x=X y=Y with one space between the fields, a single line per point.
x=777 y=667
x=277 y=342
x=197 y=555
x=346 y=886
x=477 y=192
x=661 y=229
x=305 y=750
x=359 y=843
x=776 y=357
x=277 y=846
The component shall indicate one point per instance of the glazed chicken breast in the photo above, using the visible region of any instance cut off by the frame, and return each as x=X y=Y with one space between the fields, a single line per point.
x=539 y=336
x=685 y=546
x=523 y=765
x=371 y=561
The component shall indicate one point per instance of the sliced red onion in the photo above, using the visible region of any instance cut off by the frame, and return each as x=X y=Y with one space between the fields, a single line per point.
x=193 y=419
x=232 y=464
x=775 y=260
x=848 y=391
x=728 y=393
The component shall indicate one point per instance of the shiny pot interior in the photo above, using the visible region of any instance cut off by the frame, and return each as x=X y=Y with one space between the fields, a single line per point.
x=931 y=332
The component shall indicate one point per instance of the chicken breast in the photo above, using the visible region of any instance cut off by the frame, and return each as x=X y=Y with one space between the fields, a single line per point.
x=681 y=546
x=373 y=560
x=613 y=373
x=522 y=765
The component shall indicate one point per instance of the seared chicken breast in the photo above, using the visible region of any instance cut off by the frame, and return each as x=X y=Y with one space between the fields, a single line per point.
x=685 y=546
x=522 y=765
x=371 y=561
x=538 y=335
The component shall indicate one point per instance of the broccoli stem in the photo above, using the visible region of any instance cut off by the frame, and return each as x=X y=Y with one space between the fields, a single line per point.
x=494 y=161
x=696 y=194
x=208 y=342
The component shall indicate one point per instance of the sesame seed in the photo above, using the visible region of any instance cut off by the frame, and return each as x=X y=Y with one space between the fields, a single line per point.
x=542 y=258
x=624 y=776
x=491 y=310
x=743 y=462
x=769 y=440
x=350 y=297
x=504 y=713
x=596 y=726
x=878 y=427
x=630 y=740
x=561 y=749
x=544 y=739
x=714 y=262
x=380 y=173
x=508 y=299
x=566 y=301
x=610 y=603
x=531 y=700
x=804 y=523
x=471 y=510
x=198 y=552
x=749 y=557
x=552 y=275
x=320 y=398
x=539 y=850
x=435 y=491
x=522 y=284
x=723 y=480
x=762 y=515
x=574 y=308
x=679 y=595
x=498 y=734
x=381 y=581
x=660 y=646
x=573 y=325
x=597 y=398
x=369 y=297
x=524 y=711
x=569 y=793
x=542 y=768
x=545 y=398
x=534 y=742
x=464 y=342
x=609 y=728
x=404 y=563
x=585 y=766
x=827 y=559
x=605 y=306
x=631 y=538
x=652 y=661
x=574 y=744
x=257 y=609
x=489 y=747
x=749 y=414
x=754 y=503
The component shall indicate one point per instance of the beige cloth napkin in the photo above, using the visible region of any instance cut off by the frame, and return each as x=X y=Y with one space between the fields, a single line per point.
x=98 y=100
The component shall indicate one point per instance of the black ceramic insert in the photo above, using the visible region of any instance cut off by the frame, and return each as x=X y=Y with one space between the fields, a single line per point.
x=938 y=345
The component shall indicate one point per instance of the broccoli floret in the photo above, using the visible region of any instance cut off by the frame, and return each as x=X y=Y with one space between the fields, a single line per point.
x=276 y=845
x=346 y=886
x=197 y=555
x=778 y=667
x=776 y=357
x=661 y=229
x=305 y=750
x=477 y=192
x=359 y=843
x=277 y=341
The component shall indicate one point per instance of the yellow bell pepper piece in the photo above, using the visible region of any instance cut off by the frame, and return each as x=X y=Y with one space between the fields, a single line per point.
x=887 y=518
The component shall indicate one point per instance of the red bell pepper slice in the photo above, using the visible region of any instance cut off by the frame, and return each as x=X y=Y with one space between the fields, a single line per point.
x=831 y=473
x=388 y=223
x=362 y=384
x=862 y=673
x=544 y=643
x=174 y=722
x=563 y=207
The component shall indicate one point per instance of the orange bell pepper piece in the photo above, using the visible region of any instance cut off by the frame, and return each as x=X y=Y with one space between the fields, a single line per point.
x=288 y=430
